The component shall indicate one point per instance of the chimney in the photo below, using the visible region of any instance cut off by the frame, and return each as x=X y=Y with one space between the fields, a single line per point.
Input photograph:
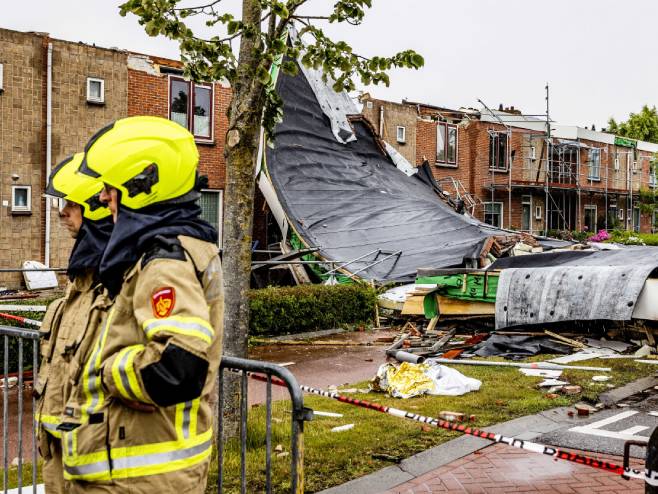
x=500 y=107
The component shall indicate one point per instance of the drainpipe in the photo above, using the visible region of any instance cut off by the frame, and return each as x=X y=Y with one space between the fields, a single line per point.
x=381 y=121
x=49 y=130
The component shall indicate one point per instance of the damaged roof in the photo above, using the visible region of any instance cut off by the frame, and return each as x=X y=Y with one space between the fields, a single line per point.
x=350 y=200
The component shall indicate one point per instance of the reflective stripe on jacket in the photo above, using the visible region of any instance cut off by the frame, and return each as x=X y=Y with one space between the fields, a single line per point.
x=63 y=330
x=158 y=345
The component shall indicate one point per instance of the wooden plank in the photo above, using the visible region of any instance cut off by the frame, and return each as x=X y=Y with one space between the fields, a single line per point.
x=432 y=323
x=413 y=305
x=456 y=307
x=298 y=271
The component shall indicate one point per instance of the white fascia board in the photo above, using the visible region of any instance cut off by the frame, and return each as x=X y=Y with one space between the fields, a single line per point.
x=593 y=135
x=647 y=146
x=564 y=132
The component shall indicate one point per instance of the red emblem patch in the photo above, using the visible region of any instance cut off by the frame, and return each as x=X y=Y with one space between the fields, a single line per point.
x=163 y=300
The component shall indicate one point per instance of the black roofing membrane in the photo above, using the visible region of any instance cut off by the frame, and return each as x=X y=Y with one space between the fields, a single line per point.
x=350 y=199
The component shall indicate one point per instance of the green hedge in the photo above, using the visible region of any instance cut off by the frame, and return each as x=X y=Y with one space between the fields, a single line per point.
x=288 y=310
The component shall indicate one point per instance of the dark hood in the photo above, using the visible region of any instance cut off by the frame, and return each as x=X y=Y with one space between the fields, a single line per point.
x=136 y=229
x=89 y=246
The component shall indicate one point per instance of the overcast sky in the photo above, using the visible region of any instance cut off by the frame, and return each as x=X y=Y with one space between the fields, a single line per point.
x=599 y=56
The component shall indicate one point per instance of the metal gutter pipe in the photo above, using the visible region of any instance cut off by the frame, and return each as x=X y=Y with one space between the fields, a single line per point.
x=49 y=130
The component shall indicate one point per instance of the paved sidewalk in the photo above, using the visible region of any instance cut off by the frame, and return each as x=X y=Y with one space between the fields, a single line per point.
x=499 y=469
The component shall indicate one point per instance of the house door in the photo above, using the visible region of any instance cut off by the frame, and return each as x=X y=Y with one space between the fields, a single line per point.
x=526 y=208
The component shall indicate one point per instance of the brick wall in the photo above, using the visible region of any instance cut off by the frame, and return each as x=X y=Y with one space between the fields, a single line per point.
x=21 y=147
x=394 y=115
x=74 y=119
x=148 y=94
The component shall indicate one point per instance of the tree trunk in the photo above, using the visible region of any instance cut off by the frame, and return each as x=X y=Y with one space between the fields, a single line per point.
x=241 y=147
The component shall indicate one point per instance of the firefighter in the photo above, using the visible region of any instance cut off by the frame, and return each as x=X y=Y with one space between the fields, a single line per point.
x=139 y=419
x=63 y=329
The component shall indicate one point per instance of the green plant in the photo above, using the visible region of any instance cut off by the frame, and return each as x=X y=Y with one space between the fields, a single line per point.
x=287 y=310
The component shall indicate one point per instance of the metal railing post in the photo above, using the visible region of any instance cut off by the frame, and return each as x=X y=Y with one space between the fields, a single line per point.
x=266 y=373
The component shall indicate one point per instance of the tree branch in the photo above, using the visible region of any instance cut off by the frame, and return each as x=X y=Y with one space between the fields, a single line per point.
x=199 y=7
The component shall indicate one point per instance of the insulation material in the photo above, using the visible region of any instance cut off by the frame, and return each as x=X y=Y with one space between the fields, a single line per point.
x=335 y=106
x=408 y=380
x=400 y=161
x=350 y=200
x=571 y=292
x=38 y=280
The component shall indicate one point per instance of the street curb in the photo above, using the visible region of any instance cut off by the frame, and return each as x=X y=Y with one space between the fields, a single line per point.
x=615 y=395
x=526 y=428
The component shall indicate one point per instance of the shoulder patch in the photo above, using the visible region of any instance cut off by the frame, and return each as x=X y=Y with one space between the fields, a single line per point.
x=163 y=248
x=163 y=300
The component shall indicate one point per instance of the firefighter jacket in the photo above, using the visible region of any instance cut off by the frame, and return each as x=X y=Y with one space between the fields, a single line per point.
x=63 y=330
x=139 y=412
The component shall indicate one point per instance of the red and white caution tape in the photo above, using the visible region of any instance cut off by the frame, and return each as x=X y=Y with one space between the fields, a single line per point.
x=648 y=476
x=23 y=320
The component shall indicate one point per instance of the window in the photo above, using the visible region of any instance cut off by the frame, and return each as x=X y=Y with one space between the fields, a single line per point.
x=634 y=166
x=401 y=134
x=652 y=174
x=211 y=203
x=590 y=218
x=533 y=152
x=2 y=88
x=190 y=105
x=95 y=90
x=493 y=213
x=621 y=214
x=636 y=219
x=446 y=144
x=21 y=199
x=369 y=104
x=616 y=162
x=537 y=212
x=594 y=169
x=498 y=150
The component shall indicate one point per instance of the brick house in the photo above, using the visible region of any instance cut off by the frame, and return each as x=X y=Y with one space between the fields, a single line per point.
x=54 y=95
x=500 y=164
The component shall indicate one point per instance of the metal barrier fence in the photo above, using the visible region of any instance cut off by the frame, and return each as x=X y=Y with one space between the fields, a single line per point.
x=299 y=414
x=16 y=343
x=17 y=338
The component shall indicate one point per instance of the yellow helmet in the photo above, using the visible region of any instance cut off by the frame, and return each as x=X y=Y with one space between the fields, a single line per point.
x=148 y=159
x=66 y=182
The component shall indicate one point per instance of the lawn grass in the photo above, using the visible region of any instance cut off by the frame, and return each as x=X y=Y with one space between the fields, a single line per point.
x=332 y=458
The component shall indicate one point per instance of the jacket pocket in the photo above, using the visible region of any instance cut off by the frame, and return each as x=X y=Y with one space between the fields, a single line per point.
x=85 y=449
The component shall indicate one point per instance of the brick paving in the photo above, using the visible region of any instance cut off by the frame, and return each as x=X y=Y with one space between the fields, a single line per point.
x=500 y=469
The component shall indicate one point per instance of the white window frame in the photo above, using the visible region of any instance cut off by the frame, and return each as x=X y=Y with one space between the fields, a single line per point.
x=617 y=166
x=190 y=107
x=401 y=136
x=90 y=98
x=21 y=209
x=634 y=166
x=538 y=212
x=502 y=212
x=620 y=214
x=498 y=134
x=590 y=169
x=369 y=104
x=533 y=153
x=220 y=215
x=2 y=87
